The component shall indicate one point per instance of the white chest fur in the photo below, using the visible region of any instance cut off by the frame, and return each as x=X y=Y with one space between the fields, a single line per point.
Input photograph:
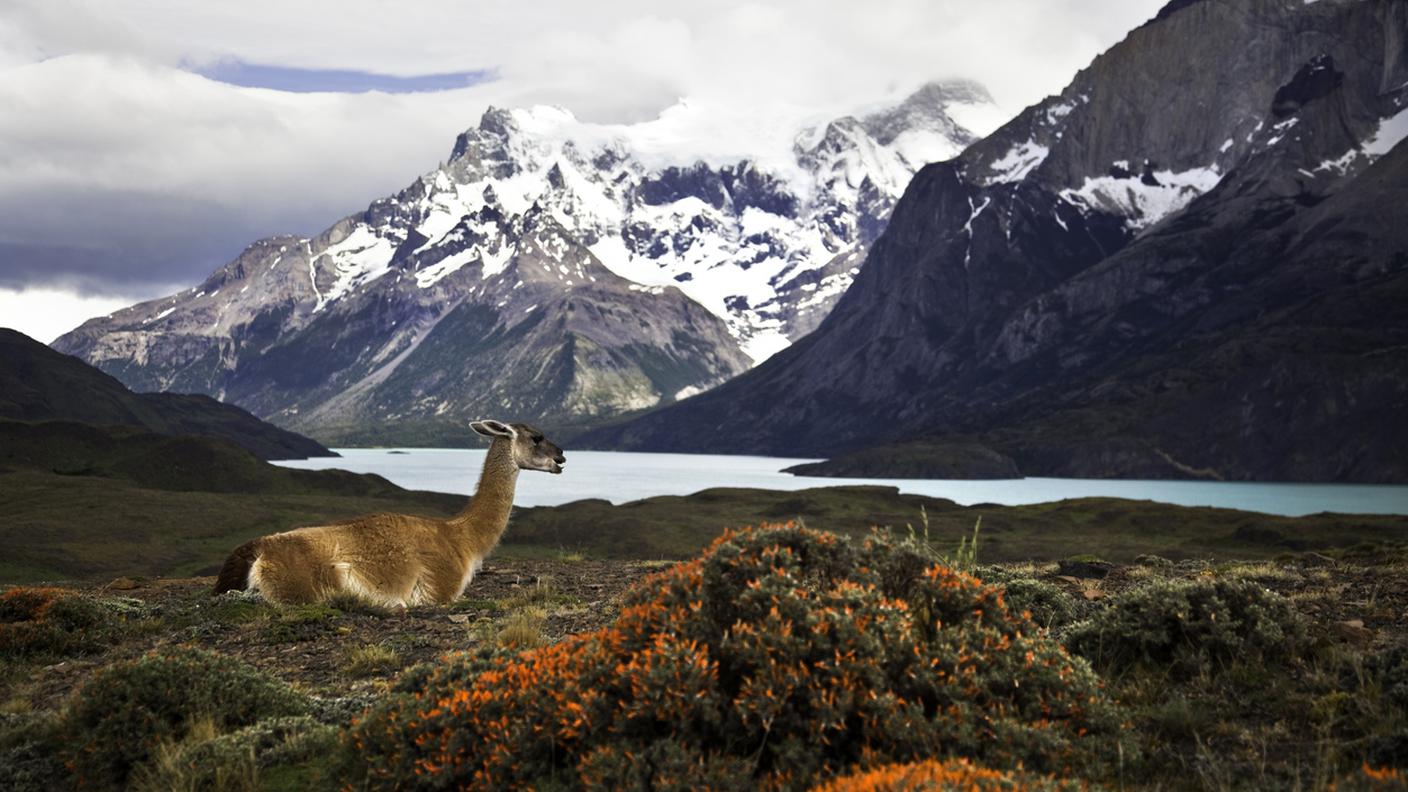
x=474 y=566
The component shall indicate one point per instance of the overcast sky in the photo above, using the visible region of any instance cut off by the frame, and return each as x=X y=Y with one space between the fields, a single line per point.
x=145 y=142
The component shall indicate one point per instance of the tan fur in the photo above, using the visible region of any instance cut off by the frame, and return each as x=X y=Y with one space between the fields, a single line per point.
x=400 y=559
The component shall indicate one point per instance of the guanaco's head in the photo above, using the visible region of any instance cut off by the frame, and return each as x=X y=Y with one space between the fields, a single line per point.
x=531 y=450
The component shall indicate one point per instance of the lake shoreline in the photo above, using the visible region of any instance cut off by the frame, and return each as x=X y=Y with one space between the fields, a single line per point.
x=626 y=477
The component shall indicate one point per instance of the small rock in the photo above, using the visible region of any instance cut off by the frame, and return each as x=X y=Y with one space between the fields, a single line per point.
x=124 y=584
x=1353 y=631
x=1068 y=579
x=459 y=618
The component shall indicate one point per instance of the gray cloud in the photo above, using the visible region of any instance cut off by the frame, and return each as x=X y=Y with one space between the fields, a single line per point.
x=123 y=171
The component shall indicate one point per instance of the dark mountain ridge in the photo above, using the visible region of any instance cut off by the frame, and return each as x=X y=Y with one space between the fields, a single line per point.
x=1187 y=264
x=38 y=384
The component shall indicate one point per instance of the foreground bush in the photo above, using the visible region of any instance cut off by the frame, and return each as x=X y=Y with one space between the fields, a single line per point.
x=248 y=758
x=29 y=756
x=1190 y=627
x=1377 y=709
x=126 y=710
x=954 y=775
x=780 y=656
x=52 y=621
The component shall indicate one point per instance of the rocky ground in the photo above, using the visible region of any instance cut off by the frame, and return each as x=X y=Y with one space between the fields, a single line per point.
x=355 y=650
x=351 y=650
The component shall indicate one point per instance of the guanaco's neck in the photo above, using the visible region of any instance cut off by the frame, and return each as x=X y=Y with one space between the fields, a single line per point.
x=482 y=521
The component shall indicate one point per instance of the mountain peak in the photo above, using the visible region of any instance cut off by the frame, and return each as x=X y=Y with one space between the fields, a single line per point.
x=496 y=125
x=927 y=110
x=937 y=93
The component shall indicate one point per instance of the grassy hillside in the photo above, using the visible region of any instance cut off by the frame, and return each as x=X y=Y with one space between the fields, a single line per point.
x=1113 y=528
x=81 y=502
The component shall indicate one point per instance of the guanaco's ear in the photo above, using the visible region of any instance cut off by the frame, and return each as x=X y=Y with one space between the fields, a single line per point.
x=494 y=429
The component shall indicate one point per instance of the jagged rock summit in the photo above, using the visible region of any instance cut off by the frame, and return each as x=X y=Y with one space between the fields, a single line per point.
x=559 y=271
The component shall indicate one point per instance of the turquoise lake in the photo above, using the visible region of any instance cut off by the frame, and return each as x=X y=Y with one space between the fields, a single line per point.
x=621 y=477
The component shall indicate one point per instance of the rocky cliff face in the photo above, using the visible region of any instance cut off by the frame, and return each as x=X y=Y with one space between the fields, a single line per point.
x=552 y=271
x=1186 y=264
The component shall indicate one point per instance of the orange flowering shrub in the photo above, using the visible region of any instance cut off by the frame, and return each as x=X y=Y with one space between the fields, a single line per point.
x=953 y=775
x=37 y=620
x=780 y=656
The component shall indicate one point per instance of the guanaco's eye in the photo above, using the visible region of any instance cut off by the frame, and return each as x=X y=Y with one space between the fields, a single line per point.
x=537 y=438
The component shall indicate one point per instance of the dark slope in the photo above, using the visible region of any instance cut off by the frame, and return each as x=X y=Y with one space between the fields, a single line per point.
x=1187 y=264
x=184 y=463
x=39 y=384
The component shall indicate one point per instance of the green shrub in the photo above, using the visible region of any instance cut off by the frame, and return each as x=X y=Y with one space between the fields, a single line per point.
x=1376 y=705
x=125 y=710
x=1389 y=669
x=56 y=622
x=1048 y=605
x=241 y=758
x=780 y=656
x=341 y=710
x=29 y=754
x=1190 y=626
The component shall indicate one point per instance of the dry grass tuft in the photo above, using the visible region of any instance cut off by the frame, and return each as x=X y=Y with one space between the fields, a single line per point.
x=523 y=630
x=170 y=770
x=370 y=660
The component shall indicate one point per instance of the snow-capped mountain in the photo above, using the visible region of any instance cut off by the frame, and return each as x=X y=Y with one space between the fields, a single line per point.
x=766 y=246
x=550 y=270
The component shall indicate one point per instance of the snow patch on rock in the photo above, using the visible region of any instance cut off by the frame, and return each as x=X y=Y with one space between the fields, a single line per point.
x=1019 y=161
x=1140 y=203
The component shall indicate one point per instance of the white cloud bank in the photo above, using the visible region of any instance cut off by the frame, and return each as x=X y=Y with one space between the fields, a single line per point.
x=122 y=172
x=45 y=314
